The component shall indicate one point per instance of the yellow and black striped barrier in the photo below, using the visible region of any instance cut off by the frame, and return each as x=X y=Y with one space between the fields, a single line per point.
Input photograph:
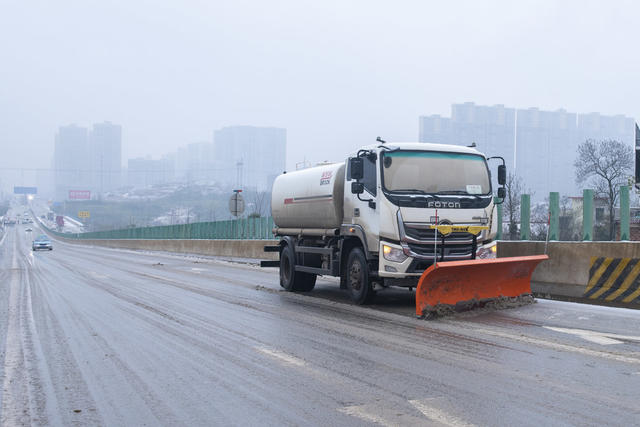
x=614 y=280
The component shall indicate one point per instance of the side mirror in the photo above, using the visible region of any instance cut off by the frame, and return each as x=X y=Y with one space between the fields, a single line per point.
x=356 y=169
x=502 y=193
x=502 y=174
x=357 y=187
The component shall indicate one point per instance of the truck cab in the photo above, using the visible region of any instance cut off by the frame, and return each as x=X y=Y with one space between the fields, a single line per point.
x=406 y=189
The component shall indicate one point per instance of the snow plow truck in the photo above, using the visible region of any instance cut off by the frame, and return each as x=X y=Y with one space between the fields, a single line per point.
x=412 y=215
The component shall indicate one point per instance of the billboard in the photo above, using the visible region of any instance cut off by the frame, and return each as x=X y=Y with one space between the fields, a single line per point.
x=25 y=190
x=84 y=214
x=79 y=195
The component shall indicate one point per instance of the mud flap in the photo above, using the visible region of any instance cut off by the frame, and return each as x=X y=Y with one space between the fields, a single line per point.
x=451 y=283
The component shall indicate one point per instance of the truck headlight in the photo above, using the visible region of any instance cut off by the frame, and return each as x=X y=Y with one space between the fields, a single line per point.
x=487 y=251
x=393 y=254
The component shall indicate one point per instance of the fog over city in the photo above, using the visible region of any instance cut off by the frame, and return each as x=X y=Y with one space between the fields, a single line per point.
x=319 y=212
x=334 y=74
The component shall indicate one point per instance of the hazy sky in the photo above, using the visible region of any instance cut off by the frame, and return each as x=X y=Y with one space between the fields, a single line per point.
x=336 y=74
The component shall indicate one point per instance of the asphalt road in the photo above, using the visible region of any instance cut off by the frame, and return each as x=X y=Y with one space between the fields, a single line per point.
x=94 y=336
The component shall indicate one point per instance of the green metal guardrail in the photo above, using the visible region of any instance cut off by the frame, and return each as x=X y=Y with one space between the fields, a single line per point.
x=260 y=228
x=249 y=228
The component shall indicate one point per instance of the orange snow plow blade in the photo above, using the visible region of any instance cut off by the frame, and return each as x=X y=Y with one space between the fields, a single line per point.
x=474 y=281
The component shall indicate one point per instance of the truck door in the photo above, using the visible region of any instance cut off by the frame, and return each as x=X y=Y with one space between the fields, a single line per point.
x=361 y=211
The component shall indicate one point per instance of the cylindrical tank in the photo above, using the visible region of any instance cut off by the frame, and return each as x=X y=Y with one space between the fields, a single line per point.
x=309 y=198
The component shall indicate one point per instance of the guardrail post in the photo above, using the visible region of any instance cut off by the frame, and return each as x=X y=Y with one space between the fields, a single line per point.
x=587 y=215
x=525 y=217
x=624 y=213
x=554 y=216
x=499 y=218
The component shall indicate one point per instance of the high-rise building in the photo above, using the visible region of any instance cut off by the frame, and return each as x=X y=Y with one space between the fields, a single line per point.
x=144 y=172
x=539 y=146
x=546 y=147
x=248 y=156
x=105 y=150
x=491 y=128
x=197 y=162
x=71 y=161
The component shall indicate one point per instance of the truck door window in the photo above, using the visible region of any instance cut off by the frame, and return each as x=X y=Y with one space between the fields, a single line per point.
x=369 y=179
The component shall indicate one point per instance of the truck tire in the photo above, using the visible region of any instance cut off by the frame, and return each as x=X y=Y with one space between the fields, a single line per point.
x=357 y=278
x=290 y=279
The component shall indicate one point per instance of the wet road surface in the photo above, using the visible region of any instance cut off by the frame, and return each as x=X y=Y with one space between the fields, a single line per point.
x=96 y=336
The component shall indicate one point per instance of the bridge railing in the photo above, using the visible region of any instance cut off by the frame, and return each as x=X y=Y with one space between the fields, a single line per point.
x=583 y=214
x=245 y=228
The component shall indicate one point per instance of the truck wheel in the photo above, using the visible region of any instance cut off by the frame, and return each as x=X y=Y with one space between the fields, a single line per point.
x=357 y=277
x=290 y=279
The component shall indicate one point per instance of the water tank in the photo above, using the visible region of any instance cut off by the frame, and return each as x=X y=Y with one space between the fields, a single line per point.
x=309 y=198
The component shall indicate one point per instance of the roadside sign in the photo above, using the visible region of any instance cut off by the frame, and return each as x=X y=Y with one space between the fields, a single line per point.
x=79 y=195
x=25 y=190
x=236 y=203
x=84 y=214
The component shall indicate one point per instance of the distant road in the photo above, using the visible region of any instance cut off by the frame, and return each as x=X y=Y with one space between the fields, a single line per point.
x=95 y=336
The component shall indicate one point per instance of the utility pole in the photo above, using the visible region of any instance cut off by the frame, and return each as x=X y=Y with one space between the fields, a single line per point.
x=239 y=166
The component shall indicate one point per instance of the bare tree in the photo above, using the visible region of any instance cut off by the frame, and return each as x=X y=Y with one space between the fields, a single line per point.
x=514 y=188
x=569 y=221
x=540 y=220
x=260 y=201
x=606 y=166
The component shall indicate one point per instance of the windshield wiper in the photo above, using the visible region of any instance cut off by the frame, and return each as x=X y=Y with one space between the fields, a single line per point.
x=452 y=192
x=477 y=196
x=410 y=190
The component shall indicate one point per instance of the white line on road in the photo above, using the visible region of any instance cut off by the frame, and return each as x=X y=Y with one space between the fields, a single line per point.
x=438 y=415
x=284 y=357
x=561 y=347
x=364 y=414
x=602 y=338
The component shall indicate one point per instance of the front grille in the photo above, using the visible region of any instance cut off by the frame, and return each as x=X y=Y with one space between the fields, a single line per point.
x=450 y=251
x=420 y=233
x=419 y=266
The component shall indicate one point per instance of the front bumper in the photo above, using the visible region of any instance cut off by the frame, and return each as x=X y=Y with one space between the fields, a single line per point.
x=414 y=265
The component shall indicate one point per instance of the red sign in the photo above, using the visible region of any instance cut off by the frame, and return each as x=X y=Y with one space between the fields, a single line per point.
x=79 y=195
x=60 y=220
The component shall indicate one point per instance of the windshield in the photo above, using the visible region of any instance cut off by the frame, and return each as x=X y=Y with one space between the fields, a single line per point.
x=435 y=172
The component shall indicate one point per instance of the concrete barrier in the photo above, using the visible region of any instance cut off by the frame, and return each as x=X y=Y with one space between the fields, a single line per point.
x=228 y=248
x=595 y=272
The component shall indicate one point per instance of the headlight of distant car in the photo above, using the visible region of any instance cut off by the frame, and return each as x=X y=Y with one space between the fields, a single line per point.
x=393 y=254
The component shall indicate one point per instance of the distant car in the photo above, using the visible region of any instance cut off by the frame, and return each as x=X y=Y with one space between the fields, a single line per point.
x=42 y=242
x=28 y=230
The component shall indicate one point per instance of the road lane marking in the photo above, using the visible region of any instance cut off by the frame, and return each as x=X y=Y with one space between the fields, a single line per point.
x=561 y=347
x=363 y=413
x=284 y=357
x=28 y=392
x=438 y=415
x=602 y=338
x=97 y=275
